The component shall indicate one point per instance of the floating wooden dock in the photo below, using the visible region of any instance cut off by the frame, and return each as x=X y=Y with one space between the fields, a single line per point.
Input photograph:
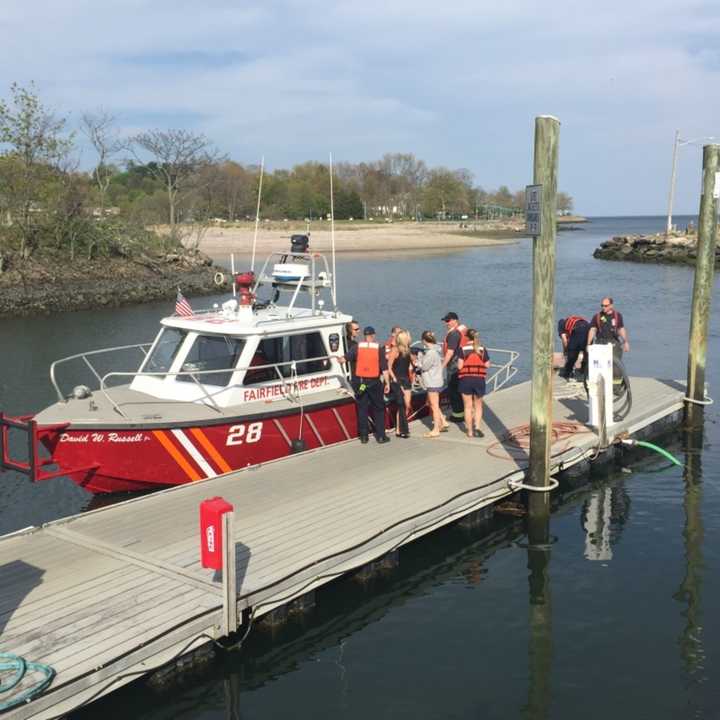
x=107 y=596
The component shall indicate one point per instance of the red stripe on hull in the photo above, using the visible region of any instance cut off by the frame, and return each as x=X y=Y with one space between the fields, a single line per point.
x=134 y=460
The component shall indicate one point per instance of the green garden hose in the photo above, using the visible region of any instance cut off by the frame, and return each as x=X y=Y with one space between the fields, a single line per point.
x=13 y=669
x=650 y=446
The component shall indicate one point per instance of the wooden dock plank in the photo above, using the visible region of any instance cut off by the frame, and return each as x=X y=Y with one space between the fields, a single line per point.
x=99 y=593
x=111 y=598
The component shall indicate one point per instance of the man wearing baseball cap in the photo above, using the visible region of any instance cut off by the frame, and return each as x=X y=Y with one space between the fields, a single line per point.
x=452 y=347
x=370 y=378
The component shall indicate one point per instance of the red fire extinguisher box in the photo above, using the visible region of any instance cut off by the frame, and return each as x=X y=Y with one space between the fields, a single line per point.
x=211 y=550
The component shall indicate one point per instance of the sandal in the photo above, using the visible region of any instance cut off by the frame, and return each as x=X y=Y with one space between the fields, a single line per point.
x=445 y=428
x=431 y=435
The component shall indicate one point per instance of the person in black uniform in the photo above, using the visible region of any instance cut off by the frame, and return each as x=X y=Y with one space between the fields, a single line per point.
x=370 y=380
x=454 y=340
x=573 y=332
x=352 y=331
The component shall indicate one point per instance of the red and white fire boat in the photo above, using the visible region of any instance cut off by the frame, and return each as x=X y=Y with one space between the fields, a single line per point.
x=238 y=385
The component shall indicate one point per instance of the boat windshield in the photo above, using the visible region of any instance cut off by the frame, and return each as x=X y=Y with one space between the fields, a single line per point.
x=166 y=348
x=212 y=352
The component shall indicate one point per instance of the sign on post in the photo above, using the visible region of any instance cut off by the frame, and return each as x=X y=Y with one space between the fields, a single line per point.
x=533 y=205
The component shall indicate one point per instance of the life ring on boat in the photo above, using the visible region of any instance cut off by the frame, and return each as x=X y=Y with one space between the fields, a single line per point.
x=219 y=279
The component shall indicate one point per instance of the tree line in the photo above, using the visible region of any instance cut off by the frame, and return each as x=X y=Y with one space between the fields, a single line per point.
x=178 y=178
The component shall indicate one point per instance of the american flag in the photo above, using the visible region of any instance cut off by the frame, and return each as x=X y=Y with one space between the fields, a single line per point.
x=182 y=306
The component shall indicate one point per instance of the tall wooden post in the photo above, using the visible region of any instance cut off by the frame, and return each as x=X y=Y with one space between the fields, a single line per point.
x=547 y=133
x=704 y=279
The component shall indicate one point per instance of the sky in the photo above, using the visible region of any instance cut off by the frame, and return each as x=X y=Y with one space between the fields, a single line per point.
x=457 y=83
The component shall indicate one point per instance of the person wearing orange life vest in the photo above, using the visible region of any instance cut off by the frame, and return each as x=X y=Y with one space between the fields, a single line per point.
x=454 y=340
x=573 y=331
x=473 y=364
x=369 y=380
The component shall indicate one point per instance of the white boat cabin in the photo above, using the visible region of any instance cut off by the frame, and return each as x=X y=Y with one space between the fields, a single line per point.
x=252 y=350
x=230 y=358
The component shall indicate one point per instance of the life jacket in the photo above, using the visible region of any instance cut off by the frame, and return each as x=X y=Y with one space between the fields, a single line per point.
x=607 y=327
x=462 y=329
x=473 y=363
x=571 y=322
x=368 y=360
x=389 y=345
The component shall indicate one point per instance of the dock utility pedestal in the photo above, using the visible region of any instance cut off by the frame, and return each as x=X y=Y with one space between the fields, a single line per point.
x=600 y=385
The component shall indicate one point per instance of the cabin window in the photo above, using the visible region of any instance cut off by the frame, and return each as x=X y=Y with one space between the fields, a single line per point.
x=281 y=351
x=212 y=352
x=165 y=350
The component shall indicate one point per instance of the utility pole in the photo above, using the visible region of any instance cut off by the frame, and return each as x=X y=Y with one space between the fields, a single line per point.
x=668 y=229
x=547 y=134
x=704 y=279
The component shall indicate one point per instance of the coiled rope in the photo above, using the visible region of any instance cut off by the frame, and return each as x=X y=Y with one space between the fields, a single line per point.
x=13 y=670
x=515 y=443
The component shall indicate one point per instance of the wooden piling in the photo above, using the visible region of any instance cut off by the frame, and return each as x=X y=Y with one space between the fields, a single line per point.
x=704 y=278
x=547 y=133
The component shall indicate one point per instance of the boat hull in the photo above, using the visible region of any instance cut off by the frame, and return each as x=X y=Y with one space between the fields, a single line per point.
x=152 y=457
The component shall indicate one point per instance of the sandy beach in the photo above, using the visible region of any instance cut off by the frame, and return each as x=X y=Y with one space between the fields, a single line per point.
x=219 y=241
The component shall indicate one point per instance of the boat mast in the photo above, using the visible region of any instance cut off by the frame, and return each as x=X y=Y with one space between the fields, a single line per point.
x=332 y=237
x=257 y=213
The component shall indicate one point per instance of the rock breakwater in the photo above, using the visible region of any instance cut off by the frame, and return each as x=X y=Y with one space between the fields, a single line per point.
x=46 y=285
x=672 y=249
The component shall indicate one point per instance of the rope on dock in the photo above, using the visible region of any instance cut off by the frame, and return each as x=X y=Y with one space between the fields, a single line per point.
x=520 y=485
x=515 y=444
x=707 y=401
x=19 y=667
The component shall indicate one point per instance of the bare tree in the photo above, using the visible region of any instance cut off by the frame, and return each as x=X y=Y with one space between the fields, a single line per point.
x=178 y=156
x=99 y=128
x=564 y=203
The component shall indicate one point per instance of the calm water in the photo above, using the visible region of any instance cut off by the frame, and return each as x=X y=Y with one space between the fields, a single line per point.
x=612 y=619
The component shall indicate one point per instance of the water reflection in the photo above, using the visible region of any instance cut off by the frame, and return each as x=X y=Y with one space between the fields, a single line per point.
x=692 y=650
x=603 y=517
x=540 y=643
x=231 y=686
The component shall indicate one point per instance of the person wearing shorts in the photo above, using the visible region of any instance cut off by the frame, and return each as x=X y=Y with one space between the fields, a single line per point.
x=430 y=363
x=472 y=371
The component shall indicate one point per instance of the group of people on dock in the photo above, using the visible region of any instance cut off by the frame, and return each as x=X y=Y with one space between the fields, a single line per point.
x=577 y=334
x=459 y=365
x=391 y=368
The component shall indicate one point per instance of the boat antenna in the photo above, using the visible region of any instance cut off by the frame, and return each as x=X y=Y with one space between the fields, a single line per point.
x=232 y=272
x=332 y=236
x=257 y=212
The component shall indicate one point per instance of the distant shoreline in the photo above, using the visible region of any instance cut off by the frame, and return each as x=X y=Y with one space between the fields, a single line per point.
x=360 y=238
x=562 y=219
